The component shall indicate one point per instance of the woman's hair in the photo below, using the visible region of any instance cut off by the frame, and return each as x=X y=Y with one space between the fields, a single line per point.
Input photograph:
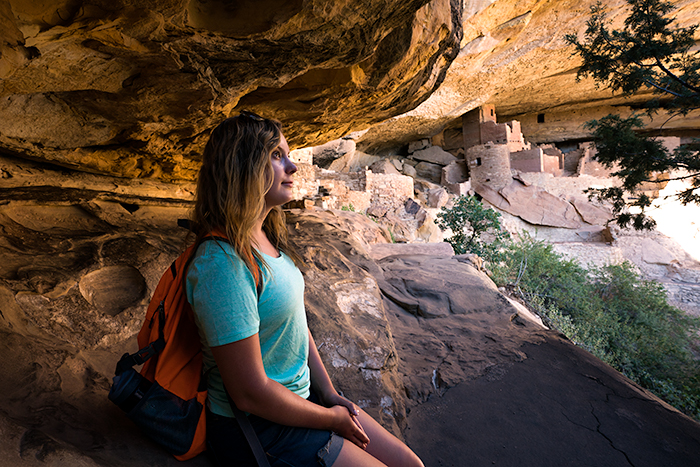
x=233 y=180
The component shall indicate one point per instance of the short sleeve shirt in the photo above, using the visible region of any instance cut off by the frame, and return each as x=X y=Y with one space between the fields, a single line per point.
x=227 y=309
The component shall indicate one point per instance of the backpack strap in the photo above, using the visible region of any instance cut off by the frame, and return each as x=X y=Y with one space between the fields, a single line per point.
x=250 y=435
x=128 y=360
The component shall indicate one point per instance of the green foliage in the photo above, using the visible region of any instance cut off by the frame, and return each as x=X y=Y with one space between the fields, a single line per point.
x=349 y=207
x=647 y=54
x=614 y=314
x=474 y=228
x=610 y=311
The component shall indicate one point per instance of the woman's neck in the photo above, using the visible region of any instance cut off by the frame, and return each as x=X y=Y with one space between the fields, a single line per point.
x=261 y=242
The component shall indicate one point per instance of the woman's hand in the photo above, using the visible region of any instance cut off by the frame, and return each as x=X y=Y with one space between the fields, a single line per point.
x=329 y=400
x=348 y=426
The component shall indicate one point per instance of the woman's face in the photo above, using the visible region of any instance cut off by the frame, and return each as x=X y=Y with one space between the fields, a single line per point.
x=282 y=172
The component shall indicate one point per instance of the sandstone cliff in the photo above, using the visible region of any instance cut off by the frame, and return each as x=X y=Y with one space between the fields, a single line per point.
x=131 y=88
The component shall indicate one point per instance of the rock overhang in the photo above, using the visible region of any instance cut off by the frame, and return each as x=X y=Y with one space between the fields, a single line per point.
x=131 y=89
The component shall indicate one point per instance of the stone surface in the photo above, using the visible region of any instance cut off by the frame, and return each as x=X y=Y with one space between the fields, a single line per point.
x=382 y=250
x=437 y=197
x=384 y=166
x=513 y=56
x=132 y=89
x=429 y=171
x=325 y=154
x=113 y=288
x=409 y=171
x=435 y=155
x=403 y=337
x=591 y=213
x=532 y=204
x=454 y=173
x=617 y=423
x=353 y=162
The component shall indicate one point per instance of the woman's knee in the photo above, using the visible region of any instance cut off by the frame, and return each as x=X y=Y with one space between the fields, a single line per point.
x=353 y=456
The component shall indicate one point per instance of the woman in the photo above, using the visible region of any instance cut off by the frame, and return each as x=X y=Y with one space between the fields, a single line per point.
x=248 y=301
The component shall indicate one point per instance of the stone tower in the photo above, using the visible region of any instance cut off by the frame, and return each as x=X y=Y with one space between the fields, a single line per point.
x=489 y=164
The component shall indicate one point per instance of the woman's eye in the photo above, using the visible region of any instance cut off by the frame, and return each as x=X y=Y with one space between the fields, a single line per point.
x=276 y=155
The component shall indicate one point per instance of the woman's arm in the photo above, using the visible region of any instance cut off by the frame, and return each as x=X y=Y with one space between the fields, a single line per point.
x=242 y=370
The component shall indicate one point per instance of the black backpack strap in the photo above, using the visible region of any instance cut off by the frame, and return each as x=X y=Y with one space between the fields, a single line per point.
x=250 y=435
x=128 y=360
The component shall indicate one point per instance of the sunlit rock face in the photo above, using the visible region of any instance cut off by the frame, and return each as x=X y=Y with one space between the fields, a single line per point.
x=513 y=55
x=131 y=88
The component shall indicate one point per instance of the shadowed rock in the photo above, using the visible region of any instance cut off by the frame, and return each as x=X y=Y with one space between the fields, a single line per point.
x=424 y=343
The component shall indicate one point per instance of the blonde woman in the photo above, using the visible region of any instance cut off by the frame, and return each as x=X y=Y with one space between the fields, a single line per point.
x=248 y=299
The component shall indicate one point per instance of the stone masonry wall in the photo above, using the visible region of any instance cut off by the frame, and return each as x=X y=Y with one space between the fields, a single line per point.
x=389 y=190
x=335 y=190
x=489 y=164
x=527 y=161
x=552 y=164
x=305 y=181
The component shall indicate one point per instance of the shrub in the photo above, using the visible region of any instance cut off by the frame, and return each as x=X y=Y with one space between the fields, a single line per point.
x=609 y=311
x=614 y=314
x=474 y=228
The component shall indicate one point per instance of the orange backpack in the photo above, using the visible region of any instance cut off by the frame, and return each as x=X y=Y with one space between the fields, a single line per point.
x=166 y=399
x=171 y=354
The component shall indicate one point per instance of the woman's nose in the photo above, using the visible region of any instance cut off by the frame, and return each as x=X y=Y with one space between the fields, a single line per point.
x=290 y=168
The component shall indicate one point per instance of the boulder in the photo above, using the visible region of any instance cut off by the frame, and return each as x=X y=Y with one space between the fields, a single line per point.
x=353 y=162
x=435 y=155
x=409 y=170
x=382 y=250
x=532 y=204
x=384 y=166
x=591 y=213
x=414 y=146
x=429 y=171
x=437 y=197
x=325 y=154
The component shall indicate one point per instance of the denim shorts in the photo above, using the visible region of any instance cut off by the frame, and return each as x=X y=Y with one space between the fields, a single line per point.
x=284 y=445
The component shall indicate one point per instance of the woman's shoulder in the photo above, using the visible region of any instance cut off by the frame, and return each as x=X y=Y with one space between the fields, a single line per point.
x=212 y=246
x=217 y=254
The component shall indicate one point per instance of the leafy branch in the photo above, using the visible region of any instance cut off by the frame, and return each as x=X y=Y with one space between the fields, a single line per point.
x=647 y=54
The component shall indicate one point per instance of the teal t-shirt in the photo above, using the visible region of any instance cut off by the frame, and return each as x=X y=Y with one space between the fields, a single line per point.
x=227 y=309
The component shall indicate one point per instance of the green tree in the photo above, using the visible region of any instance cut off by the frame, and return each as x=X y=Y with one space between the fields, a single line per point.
x=474 y=228
x=647 y=54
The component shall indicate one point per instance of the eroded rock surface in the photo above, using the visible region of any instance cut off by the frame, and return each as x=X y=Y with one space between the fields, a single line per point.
x=513 y=55
x=398 y=336
x=132 y=89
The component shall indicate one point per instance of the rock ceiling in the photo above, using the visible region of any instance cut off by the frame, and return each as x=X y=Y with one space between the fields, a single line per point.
x=130 y=88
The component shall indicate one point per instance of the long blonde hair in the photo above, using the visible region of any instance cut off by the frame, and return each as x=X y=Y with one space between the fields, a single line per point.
x=233 y=180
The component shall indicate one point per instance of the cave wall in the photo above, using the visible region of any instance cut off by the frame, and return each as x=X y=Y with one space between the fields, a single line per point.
x=131 y=88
